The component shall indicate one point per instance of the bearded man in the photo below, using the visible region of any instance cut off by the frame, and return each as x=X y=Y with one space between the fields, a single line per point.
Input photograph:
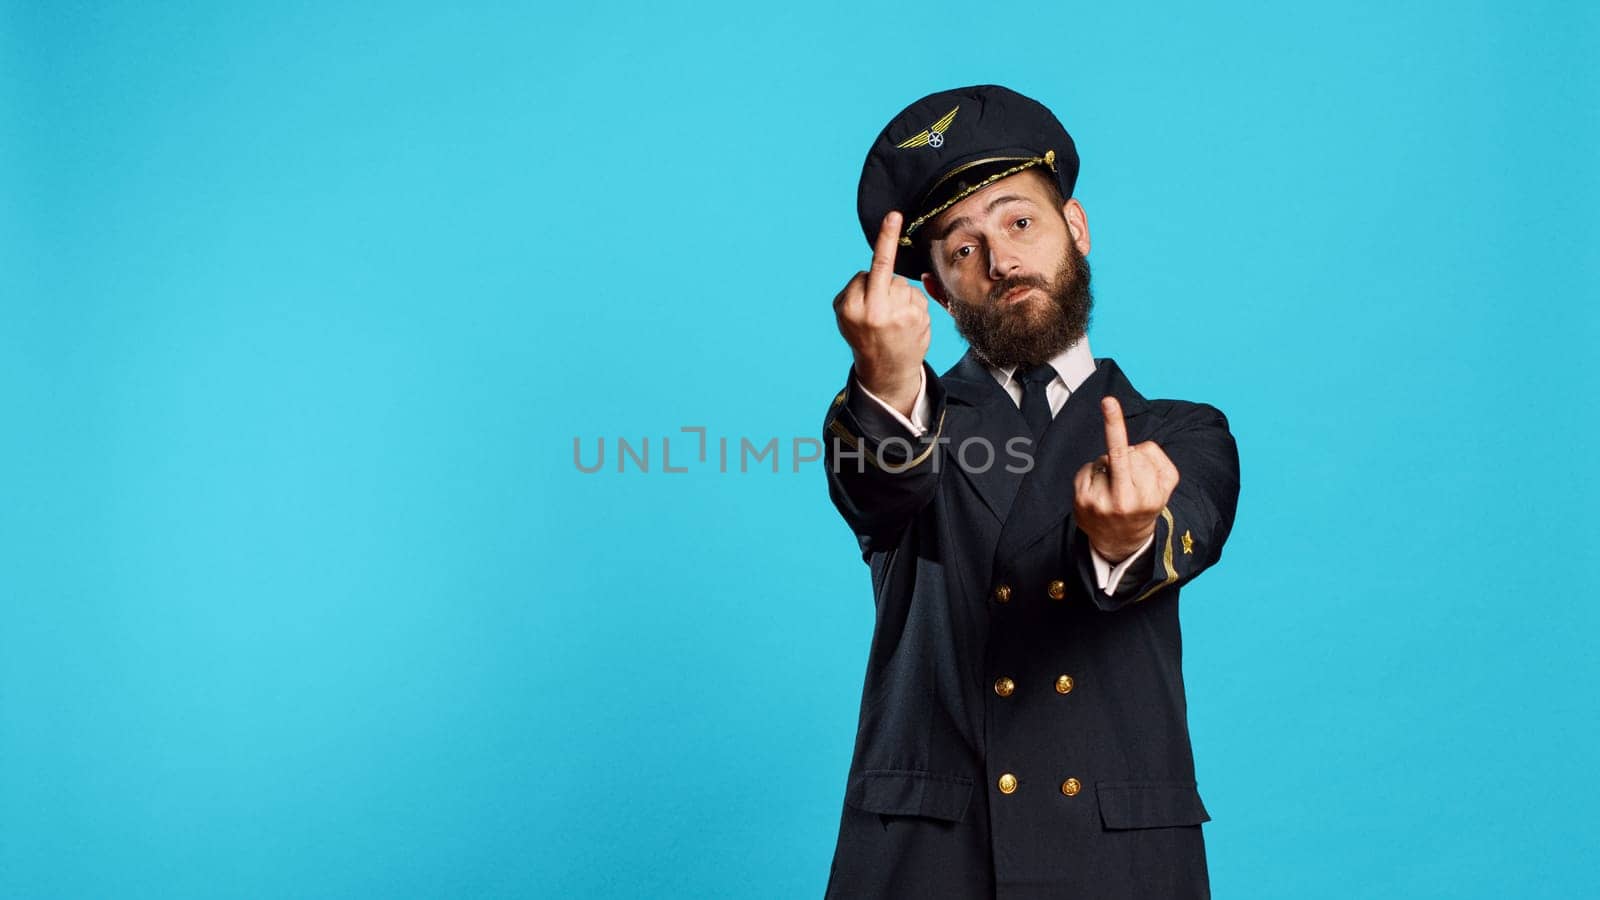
x=1029 y=519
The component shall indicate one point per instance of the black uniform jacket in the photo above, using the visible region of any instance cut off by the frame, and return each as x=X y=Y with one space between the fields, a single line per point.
x=1022 y=734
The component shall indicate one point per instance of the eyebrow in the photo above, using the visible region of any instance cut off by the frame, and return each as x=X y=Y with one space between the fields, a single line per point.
x=939 y=234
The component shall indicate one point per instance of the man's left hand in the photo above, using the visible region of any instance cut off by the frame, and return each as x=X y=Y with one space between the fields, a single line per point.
x=1119 y=496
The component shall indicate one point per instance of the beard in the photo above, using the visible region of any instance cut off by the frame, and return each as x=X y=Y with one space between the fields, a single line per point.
x=1030 y=331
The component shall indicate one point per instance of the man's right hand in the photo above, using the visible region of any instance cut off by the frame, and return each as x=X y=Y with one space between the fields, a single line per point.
x=885 y=321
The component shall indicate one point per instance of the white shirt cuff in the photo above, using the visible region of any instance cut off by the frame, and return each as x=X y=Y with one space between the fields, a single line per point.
x=920 y=414
x=1108 y=575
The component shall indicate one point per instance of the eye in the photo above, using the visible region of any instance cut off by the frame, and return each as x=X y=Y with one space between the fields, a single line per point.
x=1024 y=222
x=961 y=252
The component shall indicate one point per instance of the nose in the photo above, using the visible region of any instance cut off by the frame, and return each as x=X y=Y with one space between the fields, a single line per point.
x=1002 y=259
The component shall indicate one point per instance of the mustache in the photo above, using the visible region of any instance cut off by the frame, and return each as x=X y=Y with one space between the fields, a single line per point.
x=1007 y=285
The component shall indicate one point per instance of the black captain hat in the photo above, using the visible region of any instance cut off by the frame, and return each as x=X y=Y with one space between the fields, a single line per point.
x=947 y=145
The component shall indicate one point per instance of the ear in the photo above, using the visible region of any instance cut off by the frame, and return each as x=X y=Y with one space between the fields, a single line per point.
x=930 y=283
x=1077 y=224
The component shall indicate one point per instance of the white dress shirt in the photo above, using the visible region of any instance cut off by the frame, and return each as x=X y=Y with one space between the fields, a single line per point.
x=1073 y=367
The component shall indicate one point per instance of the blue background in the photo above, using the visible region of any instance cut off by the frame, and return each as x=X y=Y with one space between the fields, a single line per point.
x=302 y=308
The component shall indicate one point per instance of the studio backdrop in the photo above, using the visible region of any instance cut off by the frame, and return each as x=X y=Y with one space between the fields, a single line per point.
x=409 y=420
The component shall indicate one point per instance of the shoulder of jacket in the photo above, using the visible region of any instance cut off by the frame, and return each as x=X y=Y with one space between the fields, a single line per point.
x=1186 y=413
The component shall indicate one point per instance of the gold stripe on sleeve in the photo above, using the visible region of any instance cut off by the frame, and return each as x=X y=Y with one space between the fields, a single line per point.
x=1166 y=557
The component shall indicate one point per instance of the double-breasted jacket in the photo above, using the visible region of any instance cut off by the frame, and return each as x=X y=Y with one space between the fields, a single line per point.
x=1022 y=733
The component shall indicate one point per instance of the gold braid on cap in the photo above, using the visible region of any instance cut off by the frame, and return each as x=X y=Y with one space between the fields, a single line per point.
x=1049 y=159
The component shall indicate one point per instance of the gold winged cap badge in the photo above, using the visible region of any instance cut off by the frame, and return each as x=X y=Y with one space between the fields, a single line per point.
x=932 y=136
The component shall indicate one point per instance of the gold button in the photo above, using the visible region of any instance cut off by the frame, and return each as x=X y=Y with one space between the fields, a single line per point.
x=1004 y=686
x=1058 y=589
x=1008 y=783
x=1064 y=684
x=1071 y=787
x=1002 y=593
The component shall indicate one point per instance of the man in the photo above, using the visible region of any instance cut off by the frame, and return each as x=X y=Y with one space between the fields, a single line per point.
x=1029 y=518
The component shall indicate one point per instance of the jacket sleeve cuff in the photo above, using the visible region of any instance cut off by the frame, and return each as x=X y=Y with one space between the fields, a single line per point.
x=880 y=419
x=1107 y=575
x=867 y=430
x=1143 y=574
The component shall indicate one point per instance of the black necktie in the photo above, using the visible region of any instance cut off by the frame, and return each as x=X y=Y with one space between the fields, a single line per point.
x=1035 y=405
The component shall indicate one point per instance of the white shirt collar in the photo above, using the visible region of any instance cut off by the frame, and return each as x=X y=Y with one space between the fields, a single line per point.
x=1073 y=366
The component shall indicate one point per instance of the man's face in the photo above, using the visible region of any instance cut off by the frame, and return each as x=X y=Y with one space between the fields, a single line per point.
x=1008 y=263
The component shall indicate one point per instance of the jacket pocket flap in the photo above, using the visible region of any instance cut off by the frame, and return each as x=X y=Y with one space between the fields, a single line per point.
x=1150 y=804
x=908 y=792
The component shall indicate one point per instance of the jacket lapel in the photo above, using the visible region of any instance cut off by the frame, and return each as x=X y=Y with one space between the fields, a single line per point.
x=978 y=407
x=1043 y=500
